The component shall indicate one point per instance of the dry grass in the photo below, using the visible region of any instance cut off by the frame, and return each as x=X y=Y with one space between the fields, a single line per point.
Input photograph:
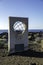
x=20 y=60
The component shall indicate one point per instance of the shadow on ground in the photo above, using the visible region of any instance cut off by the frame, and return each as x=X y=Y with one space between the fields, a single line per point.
x=29 y=53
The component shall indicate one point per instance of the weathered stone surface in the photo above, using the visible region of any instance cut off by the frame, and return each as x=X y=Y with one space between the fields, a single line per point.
x=14 y=38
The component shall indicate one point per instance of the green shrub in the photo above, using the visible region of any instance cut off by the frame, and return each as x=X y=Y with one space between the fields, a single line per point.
x=1 y=45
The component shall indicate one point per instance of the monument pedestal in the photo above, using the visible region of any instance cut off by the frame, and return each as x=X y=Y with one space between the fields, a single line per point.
x=18 y=34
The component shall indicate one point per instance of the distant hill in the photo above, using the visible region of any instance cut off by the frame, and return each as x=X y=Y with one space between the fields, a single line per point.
x=1 y=31
x=30 y=30
x=35 y=30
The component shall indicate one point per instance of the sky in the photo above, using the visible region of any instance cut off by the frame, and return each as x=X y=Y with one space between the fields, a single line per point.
x=32 y=9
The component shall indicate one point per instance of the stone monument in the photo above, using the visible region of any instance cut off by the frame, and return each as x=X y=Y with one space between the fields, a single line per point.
x=18 y=34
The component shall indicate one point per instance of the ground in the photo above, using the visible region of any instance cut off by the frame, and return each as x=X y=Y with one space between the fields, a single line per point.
x=19 y=59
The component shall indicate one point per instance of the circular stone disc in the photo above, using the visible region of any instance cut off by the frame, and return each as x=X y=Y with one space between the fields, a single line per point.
x=19 y=27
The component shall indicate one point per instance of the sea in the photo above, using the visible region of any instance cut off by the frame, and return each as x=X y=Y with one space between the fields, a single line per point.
x=35 y=30
x=30 y=30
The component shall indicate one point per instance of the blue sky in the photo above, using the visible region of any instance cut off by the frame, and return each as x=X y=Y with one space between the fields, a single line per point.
x=33 y=9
